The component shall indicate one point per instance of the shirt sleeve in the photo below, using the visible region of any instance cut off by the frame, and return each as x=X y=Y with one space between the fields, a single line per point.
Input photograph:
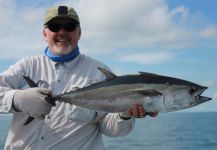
x=10 y=81
x=112 y=125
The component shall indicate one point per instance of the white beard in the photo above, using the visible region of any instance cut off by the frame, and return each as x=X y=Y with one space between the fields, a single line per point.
x=62 y=51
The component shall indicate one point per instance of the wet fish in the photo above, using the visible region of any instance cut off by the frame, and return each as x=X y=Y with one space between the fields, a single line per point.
x=156 y=93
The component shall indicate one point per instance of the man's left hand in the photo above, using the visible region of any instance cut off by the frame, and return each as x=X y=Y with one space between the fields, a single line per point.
x=137 y=111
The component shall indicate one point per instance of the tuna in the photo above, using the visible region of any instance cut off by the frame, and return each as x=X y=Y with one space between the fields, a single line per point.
x=156 y=93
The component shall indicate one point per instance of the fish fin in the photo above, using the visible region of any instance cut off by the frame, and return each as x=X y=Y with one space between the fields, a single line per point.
x=109 y=75
x=149 y=92
x=30 y=82
x=29 y=120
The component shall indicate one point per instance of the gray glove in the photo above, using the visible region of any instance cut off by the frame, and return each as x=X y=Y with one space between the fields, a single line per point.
x=32 y=101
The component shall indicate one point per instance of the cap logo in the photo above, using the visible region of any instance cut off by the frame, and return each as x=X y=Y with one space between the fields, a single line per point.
x=63 y=10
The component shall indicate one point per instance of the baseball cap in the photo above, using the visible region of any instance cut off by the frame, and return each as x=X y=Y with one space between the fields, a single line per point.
x=61 y=12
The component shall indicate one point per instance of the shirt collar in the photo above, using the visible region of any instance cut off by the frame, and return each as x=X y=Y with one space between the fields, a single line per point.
x=66 y=65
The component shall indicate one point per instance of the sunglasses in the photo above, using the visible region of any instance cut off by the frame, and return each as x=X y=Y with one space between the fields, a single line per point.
x=56 y=27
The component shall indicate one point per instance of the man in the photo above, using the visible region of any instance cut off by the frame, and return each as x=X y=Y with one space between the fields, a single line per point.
x=60 y=70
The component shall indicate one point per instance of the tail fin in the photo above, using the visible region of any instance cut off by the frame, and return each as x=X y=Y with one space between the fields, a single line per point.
x=30 y=82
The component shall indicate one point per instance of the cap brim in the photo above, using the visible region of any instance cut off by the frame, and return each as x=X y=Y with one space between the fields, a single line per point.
x=63 y=16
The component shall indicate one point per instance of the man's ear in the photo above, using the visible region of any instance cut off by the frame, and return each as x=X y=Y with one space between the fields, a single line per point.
x=79 y=33
x=44 y=35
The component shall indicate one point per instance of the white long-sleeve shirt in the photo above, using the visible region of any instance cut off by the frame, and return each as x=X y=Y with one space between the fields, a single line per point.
x=66 y=127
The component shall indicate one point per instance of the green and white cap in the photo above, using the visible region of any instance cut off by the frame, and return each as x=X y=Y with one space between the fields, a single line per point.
x=61 y=12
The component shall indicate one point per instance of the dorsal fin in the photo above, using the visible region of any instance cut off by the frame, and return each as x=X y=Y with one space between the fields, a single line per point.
x=109 y=75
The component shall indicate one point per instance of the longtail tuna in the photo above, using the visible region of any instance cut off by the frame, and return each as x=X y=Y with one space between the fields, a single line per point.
x=156 y=93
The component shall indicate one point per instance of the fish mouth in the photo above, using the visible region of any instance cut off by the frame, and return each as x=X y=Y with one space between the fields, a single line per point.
x=199 y=98
x=204 y=98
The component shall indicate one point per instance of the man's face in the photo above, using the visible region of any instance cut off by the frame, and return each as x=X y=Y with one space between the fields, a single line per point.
x=61 y=42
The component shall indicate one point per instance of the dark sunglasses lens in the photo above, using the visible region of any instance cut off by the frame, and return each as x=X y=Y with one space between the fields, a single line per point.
x=69 y=27
x=54 y=27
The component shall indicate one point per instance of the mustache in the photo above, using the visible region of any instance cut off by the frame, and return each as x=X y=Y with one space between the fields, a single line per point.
x=62 y=37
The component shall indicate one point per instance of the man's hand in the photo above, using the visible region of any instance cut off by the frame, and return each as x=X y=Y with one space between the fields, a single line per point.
x=137 y=111
x=33 y=101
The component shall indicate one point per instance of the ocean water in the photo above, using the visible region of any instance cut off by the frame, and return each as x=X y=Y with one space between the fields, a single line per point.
x=168 y=131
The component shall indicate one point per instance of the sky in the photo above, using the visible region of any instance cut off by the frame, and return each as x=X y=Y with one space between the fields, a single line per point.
x=168 y=37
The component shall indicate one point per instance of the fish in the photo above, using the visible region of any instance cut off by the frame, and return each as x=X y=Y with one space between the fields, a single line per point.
x=115 y=94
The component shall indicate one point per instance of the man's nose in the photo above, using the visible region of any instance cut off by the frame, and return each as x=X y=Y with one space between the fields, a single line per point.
x=62 y=30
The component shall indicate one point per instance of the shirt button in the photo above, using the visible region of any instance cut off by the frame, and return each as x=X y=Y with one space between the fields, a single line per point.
x=42 y=138
x=58 y=80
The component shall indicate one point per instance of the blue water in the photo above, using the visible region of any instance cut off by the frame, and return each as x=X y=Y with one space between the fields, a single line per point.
x=169 y=131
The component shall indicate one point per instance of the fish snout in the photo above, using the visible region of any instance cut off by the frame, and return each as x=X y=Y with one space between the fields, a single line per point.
x=197 y=91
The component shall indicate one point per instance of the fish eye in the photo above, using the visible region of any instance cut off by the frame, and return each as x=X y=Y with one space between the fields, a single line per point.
x=192 y=90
